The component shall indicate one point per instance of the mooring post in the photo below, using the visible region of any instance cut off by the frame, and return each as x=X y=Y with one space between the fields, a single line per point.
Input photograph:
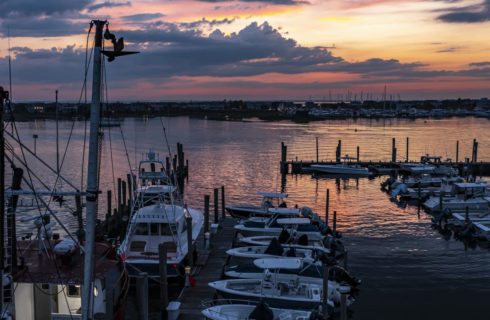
x=124 y=193
x=358 y=154
x=162 y=257
x=109 y=202
x=130 y=188
x=475 y=160
x=346 y=260
x=457 y=151
x=206 y=213
x=343 y=306
x=119 y=194
x=190 y=246
x=334 y=223
x=440 y=201
x=167 y=165
x=327 y=207
x=142 y=293
x=467 y=214
x=325 y=291
x=35 y=136
x=393 y=150
x=408 y=143
x=317 y=155
x=223 y=212
x=338 y=153
x=216 y=207
x=284 y=165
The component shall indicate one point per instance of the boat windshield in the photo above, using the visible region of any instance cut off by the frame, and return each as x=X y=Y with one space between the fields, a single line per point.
x=155 y=229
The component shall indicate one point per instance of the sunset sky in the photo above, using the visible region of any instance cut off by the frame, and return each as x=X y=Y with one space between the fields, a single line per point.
x=253 y=50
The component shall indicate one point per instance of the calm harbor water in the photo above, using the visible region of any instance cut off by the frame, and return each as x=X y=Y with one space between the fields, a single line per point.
x=409 y=271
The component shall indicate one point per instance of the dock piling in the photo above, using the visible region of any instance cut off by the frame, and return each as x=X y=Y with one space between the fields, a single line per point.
x=457 y=151
x=317 y=155
x=190 y=247
x=216 y=208
x=338 y=152
x=206 y=213
x=343 y=306
x=393 y=150
x=334 y=223
x=358 y=154
x=162 y=256
x=327 y=206
x=223 y=212
x=142 y=294
x=408 y=144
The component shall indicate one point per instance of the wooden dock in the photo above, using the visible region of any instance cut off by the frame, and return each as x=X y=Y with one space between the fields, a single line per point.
x=209 y=268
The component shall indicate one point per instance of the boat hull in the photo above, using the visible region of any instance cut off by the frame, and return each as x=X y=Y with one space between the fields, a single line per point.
x=336 y=169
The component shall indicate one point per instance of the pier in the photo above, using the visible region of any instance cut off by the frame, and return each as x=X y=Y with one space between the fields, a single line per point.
x=470 y=165
x=209 y=268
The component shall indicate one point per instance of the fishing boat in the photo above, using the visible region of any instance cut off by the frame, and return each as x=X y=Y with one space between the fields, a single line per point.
x=471 y=195
x=269 y=200
x=154 y=184
x=275 y=250
x=153 y=225
x=274 y=226
x=280 y=293
x=243 y=311
x=344 y=168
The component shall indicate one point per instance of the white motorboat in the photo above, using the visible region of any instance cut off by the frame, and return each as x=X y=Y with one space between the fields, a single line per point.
x=280 y=293
x=307 y=243
x=153 y=225
x=417 y=168
x=240 y=311
x=275 y=250
x=269 y=200
x=308 y=269
x=471 y=195
x=274 y=225
x=482 y=229
x=344 y=168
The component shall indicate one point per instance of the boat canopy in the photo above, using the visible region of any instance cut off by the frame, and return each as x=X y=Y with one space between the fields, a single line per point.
x=163 y=213
x=157 y=189
x=294 y=221
x=272 y=195
x=285 y=211
x=283 y=263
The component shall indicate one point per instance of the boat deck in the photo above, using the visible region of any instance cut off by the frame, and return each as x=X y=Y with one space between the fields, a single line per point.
x=192 y=297
x=41 y=268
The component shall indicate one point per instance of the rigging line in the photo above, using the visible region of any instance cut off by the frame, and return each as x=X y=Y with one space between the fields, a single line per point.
x=170 y=155
x=10 y=65
x=38 y=199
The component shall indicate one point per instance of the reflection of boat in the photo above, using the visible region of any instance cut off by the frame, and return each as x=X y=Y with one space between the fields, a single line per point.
x=345 y=168
x=153 y=225
x=269 y=200
x=241 y=311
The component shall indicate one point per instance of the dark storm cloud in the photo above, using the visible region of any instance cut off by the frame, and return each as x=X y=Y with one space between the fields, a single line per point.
x=107 y=4
x=467 y=14
x=40 y=27
x=39 y=7
x=169 y=51
x=279 y=2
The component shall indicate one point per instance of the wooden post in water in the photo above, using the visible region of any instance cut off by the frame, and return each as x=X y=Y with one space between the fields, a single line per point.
x=206 y=213
x=338 y=152
x=475 y=160
x=124 y=203
x=325 y=291
x=216 y=220
x=343 y=306
x=408 y=143
x=358 y=154
x=142 y=294
x=119 y=194
x=457 y=151
x=223 y=212
x=167 y=165
x=284 y=165
x=130 y=188
x=327 y=207
x=334 y=223
x=190 y=246
x=162 y=257
x=317 y=155
x=109 y=202
x=393 y=150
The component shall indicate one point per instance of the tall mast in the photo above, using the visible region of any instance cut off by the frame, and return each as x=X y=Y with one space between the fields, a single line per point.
x=3 y=96
x=57 y=138
x=92 y=184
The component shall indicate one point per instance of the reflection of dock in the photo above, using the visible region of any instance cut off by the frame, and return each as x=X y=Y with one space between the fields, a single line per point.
x=468 y=166
x=211 y=270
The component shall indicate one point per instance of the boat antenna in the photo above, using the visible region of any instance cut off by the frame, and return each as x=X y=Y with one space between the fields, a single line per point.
x=57 y=137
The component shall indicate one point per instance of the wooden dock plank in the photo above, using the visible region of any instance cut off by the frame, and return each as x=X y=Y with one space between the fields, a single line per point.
x=192 y=297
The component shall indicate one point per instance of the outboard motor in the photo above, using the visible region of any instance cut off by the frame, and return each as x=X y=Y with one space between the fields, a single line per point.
x=400 y=189
x=303 y=240
x=306 y=212
x=284 y=236
x=261 y=312
x=274 y=248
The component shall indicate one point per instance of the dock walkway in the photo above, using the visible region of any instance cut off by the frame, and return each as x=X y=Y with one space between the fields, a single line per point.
x=209 y=268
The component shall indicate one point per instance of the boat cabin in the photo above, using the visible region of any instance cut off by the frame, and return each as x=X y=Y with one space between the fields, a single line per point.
x=151 y=171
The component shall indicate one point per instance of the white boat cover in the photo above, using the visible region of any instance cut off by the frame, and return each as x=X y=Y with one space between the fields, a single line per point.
x=273 y=263
x=294 y=221
x=272 y=195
